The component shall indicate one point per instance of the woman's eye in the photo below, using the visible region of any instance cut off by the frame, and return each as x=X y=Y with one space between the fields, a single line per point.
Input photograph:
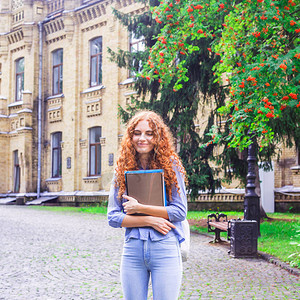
x=149 y=133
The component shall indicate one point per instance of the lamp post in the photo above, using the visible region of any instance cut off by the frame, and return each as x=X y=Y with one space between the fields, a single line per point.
x=251 y=200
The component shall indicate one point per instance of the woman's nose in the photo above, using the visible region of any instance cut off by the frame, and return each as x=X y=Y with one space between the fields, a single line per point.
x=142 y=137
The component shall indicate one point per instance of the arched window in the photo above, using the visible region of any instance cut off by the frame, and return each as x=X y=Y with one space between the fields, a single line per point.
x=96 y=61
x=94 y=151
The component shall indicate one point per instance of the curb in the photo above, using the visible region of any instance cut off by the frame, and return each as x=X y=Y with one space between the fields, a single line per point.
x=267 y=257
x=271 y=259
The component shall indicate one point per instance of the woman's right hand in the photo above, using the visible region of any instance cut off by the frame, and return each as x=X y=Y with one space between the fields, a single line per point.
x=162 y=225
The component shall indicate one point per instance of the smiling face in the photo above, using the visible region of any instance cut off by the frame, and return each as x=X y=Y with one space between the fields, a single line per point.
x=142 y=139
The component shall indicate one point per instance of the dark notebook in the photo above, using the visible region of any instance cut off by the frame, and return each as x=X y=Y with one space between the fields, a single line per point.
x=146 y=186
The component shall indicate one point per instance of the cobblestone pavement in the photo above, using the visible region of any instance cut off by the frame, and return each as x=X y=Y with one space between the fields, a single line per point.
x=54 y=255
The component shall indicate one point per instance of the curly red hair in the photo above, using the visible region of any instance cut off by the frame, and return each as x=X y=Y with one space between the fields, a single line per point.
x=163 y=156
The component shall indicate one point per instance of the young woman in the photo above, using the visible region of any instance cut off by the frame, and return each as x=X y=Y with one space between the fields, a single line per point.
x=151 y=240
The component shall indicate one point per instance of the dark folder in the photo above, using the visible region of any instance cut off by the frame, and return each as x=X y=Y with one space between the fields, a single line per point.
x=146 y=186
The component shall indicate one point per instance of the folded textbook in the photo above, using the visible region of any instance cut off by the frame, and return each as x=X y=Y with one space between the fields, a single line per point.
x=146 y=186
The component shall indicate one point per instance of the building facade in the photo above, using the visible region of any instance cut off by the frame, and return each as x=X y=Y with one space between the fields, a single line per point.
x=55 y=68
x=56 y=79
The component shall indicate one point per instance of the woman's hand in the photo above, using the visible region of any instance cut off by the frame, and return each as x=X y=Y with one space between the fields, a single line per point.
x=131 y=206
x=162 y=225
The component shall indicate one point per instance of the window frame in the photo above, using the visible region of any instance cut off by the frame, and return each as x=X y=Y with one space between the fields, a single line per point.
x=56 y=162
x=17 y=172
x=97 y=161
x=59 y=68
x=141 y=44
x=98 y=56
x=17 y=76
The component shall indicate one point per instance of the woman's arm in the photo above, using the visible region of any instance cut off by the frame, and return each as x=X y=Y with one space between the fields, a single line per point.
x=132 y=206
x=117 y=218
x=160 y=224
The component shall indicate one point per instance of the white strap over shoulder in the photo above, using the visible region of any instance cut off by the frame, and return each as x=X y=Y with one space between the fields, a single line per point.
x=185 y=245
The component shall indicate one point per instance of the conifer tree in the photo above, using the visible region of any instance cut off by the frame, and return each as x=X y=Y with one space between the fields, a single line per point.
x=178 y=108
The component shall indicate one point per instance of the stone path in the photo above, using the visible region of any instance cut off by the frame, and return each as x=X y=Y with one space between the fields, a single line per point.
x=53 y=255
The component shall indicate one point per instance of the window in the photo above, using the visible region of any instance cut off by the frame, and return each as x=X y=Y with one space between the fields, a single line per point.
x=96 y=62
x=136 y=45
x=95 y=151
x=57 y=71
x=19 y=78
x=56 y=154
x=16 y=172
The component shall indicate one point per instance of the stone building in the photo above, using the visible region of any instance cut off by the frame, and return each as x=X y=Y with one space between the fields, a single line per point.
x=55 y=68
x=59 y=93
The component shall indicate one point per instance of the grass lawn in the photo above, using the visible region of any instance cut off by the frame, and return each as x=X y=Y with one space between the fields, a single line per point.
x=280 y=235
x=277 y=233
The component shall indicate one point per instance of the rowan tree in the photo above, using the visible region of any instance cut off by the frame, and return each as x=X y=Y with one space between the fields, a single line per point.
x=257 y=46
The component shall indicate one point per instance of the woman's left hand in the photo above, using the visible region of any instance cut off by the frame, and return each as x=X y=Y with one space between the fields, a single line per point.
x=131 y=206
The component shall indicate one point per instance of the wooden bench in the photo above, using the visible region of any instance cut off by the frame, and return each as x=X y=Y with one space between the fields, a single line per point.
x=218 y=223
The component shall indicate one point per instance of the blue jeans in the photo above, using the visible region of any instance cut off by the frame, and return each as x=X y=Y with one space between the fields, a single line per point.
x=161 y=259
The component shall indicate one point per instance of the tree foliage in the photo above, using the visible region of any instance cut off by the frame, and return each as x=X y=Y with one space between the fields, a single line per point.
x=256 y=45
x=179 y=109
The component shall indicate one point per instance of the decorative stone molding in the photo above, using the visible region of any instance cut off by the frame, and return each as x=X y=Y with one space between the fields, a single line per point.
x=55 y=6
x=54 y=184
x=56 y=100
x=22 y=122
x=93 y=93
x=120 y=137
x=128 y=81
x=129 y=96
x=21 y=130
x=13 y=125
x=94 y=26
x=124 y=3
x=55 y=114
x=287 y=197
x=15 y=36
x=139 y=11
x=92 y=183
x=91 y=12
x=67 y=199
x=25 y=117
x=54 y=26
x=17 y=49
x=83 y=144
x=103 y=141
x=18 y=17
x=56 y=39
x=93 y=108
x=16 y=4
x=14 y=107
x=220 y=197
x=55 y=108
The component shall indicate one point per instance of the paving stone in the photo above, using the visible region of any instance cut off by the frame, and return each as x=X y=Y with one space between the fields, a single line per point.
x=57 y=255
